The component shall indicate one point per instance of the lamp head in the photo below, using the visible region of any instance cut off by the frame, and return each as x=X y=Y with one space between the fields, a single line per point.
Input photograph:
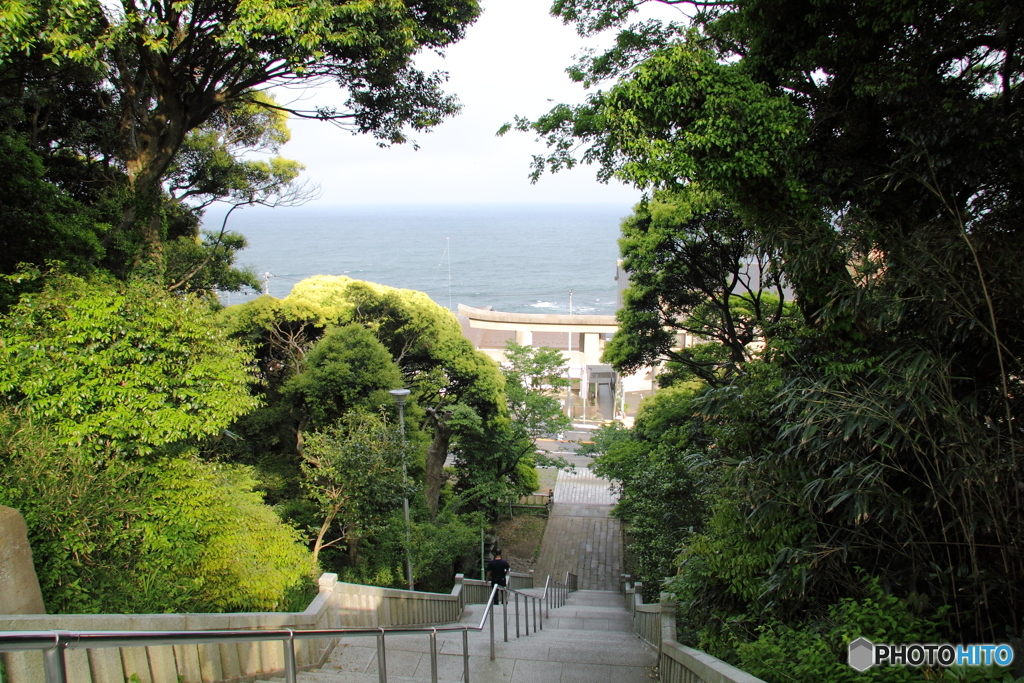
x=399 y=395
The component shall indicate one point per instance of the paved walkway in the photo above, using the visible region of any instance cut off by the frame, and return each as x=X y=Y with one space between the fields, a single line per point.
x=581 y=536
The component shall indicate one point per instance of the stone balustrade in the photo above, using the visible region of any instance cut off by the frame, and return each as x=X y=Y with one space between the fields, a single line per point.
x=656 y=624
x=337 y=605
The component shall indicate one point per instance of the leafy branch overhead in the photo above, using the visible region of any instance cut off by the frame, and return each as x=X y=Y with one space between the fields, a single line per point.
x=167 y=68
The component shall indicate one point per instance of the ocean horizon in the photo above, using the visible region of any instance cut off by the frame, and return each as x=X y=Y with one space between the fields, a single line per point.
x=516 y=258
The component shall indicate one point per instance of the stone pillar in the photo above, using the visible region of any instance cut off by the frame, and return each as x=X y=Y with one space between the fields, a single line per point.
x=524 y=337
x=19 y=586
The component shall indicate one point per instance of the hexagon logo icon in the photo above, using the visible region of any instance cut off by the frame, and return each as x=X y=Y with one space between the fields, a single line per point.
x=862 y=654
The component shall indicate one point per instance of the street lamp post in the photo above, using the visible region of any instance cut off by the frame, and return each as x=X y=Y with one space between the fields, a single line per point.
x=400 y=395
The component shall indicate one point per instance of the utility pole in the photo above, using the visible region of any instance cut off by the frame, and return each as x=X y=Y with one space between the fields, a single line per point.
x=266 y=282
x=568 y=389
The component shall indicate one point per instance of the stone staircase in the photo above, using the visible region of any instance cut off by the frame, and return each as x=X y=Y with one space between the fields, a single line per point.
x=590 y=639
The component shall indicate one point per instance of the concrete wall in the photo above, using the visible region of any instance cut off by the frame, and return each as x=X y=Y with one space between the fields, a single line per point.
x=338 y=605
x=656 y=625
x=19 y=587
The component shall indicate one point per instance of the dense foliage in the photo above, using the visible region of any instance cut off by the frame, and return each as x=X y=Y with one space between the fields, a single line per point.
x=108 y=390
x=122 y=393
x=124 y=368
x=354 y=472
x=865 y=156
x=146 y=76
x=327 y=354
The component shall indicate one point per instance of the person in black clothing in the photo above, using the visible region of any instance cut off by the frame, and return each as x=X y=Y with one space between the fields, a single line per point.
x=497 y=571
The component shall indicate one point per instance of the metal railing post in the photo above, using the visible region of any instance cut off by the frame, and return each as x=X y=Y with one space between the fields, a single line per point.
x=491 y=616
x=547 y=595
x=465 y=655
x=504 y=614
x=526 y=612
x=53 y=661
x=517 y=617
x=290 y=670
x=535 y=629
x=433 y=656
x=382 y=658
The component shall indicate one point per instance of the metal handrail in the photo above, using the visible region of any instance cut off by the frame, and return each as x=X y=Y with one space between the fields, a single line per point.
x=54 y=643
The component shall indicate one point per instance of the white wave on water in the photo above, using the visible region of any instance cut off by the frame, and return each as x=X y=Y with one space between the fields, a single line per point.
x=543 y=304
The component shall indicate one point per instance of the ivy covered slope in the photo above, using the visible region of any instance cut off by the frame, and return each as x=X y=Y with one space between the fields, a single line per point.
x=838 y=182
x=109 y=394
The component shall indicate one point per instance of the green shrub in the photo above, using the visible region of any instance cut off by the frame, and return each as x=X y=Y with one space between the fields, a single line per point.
x=122 y=369
x=175 y=535
x=816 y=651
x=220 y=547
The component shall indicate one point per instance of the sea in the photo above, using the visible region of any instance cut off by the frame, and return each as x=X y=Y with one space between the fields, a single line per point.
x=516 y=258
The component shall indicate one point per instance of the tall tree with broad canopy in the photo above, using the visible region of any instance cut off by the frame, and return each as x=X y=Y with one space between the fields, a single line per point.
x=170 y=66
x=56 y=118
x=457 y=390
x=874 y=148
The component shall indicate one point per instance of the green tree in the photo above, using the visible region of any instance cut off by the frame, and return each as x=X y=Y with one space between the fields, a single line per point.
x=867 y=146
x=456 y=389
x=347 y=369
x=41 y=223
x=56 y=117
x=353 y=470
x=210 y=167
x=532 y=382
x=170 y=67
x=666 y=479
x=121 y=368
x=694 y=268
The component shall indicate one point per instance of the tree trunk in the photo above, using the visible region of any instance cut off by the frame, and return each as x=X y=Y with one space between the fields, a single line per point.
x=437 y=453
x=152 y=124
x=331 y=514
x=353 y=549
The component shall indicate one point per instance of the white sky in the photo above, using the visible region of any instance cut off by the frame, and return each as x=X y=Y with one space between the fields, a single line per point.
x=512 y=62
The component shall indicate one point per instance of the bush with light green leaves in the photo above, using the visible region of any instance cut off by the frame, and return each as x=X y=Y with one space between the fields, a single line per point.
x=121 y=368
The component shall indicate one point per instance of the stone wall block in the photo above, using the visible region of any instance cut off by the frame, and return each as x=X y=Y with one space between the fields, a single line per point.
x=19 y=586
x=229 y=665
x=249 y=661
x=210 y=667
x=135 y=662
x=77 y=662
x=153 y=664
x=187 y=659
x=106 y=664
x=23 y=667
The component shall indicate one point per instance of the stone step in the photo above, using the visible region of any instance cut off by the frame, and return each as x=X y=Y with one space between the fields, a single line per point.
x=410 y=655
x=588 y=640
